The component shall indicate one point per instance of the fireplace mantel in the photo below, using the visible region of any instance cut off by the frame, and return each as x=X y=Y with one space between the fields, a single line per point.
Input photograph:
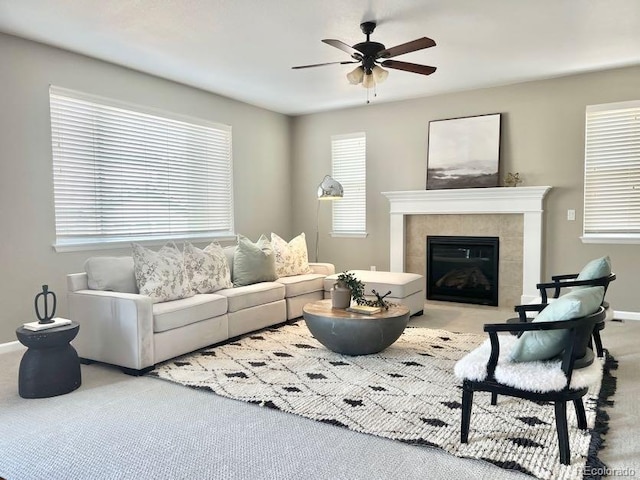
x=527 y=201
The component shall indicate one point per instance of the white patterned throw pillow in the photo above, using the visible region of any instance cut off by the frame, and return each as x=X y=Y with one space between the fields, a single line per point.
x=291 y=258
x=160 y=275
x=207 y=270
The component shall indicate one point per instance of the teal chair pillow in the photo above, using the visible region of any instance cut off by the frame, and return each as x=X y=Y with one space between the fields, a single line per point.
x=543 y=345
x=253 y=262
x=598 y=268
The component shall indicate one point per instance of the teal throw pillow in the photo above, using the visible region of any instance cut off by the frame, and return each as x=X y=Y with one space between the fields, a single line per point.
x=253 y=262
x=543 y=345
x=598 y=268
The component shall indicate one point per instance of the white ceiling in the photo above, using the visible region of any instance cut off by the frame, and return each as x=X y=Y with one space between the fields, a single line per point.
x=244 y=49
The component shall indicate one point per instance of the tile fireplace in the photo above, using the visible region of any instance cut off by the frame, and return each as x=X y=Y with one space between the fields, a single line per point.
x=472 y=208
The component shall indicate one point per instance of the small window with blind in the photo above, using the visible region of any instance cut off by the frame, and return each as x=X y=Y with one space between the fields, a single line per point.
x=348 y=166
x=612 y=173
x=126 y=173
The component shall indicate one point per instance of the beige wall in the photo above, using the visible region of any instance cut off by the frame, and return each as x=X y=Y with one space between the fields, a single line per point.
x=542 y=139
x=261 y=143
x=278 y=163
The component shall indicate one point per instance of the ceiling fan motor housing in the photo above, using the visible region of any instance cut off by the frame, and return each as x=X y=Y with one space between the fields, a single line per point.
x=368 y=49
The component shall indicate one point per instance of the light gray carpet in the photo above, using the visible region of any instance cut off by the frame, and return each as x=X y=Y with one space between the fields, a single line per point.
x=120 y=427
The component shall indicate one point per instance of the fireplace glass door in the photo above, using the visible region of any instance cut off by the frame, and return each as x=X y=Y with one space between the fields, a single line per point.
x=463 y=269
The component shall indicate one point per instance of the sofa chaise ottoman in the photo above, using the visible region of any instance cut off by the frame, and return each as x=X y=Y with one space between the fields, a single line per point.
x=406 y=288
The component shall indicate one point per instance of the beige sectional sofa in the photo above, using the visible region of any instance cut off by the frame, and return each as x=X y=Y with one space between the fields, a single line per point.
x=131 y=331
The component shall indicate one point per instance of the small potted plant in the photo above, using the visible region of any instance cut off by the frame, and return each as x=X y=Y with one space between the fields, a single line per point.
x=346 y=288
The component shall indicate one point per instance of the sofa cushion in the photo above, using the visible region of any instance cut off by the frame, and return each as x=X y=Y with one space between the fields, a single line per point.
x=291 y=258
x=160 y=275
x=239 y=298
x=253 y=262
x=113 y=274
x=301 y=284
x=178 y=313
x=207 y=270
x=543 y=345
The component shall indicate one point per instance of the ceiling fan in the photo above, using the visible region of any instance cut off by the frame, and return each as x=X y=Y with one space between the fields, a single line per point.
x=372 y=56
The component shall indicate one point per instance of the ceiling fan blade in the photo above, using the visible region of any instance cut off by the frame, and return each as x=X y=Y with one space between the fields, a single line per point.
x=322 y=64
x=344 y=47
x=409 y=67
x=418 y=44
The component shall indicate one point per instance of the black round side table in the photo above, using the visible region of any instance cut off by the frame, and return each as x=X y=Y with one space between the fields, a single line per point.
x=50 y=366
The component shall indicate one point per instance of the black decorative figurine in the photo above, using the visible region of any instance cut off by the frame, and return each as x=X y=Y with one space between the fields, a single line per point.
x=46 y=318
x=379 y=301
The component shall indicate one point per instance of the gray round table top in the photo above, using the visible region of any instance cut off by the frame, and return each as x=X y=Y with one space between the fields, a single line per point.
x=352 y=333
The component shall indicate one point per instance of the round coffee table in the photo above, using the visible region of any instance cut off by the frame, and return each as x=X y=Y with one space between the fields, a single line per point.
x=354 y=333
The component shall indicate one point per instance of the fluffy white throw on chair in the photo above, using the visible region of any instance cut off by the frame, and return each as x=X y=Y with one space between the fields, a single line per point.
x=538 y=376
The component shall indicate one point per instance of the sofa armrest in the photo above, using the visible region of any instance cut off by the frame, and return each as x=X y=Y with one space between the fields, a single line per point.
x=77 y=281
x=115 y=328
x=323 y=268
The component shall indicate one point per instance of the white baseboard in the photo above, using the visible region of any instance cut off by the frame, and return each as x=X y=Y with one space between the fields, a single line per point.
x=618 y=315
x=11 y=347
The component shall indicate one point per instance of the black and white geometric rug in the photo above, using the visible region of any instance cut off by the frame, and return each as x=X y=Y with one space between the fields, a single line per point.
x=407 y=393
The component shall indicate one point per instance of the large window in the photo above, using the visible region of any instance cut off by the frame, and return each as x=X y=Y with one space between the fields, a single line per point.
x=348 y=159
x=124 y=173
x=612 y=173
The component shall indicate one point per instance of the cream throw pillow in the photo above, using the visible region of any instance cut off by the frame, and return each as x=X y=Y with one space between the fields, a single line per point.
x=291 y=258
x=160 y=275
x=207 y=270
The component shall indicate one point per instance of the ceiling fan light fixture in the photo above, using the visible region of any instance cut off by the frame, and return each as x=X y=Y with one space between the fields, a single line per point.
x=368 y=81
x=356 y=75
x=379 y=74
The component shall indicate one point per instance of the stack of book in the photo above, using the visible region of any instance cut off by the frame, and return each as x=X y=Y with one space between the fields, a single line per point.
x=364 y=309
x=37 y=326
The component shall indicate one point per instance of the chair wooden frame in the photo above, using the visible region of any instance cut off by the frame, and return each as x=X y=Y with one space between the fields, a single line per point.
x=558 y=282
x=576 y=345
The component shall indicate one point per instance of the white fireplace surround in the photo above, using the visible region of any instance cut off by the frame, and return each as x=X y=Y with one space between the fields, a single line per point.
x=519 y=200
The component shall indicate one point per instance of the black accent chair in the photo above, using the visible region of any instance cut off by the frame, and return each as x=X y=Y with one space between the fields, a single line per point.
x=558 y=282
x=576 y=347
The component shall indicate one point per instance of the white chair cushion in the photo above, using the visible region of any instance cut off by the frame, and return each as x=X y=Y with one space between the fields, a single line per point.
x=537 y=376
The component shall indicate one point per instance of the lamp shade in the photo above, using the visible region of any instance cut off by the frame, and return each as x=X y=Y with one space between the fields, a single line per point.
x=379 y=74
x=368 y=81
x=329 y=189
x=355 y=75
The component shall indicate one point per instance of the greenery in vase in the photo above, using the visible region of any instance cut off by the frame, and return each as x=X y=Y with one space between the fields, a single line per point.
x=350 y=281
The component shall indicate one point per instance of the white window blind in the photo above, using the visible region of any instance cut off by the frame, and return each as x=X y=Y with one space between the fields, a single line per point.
x=348 y=158
x=125 y=173
x=612 y=172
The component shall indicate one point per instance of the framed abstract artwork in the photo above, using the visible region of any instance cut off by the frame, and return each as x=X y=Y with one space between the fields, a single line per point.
x=464 y=152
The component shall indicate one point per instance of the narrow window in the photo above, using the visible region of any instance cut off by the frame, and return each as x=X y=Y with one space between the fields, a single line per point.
x=348 y=158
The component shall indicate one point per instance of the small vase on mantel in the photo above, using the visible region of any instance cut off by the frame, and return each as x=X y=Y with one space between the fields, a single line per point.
x=340 y=295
